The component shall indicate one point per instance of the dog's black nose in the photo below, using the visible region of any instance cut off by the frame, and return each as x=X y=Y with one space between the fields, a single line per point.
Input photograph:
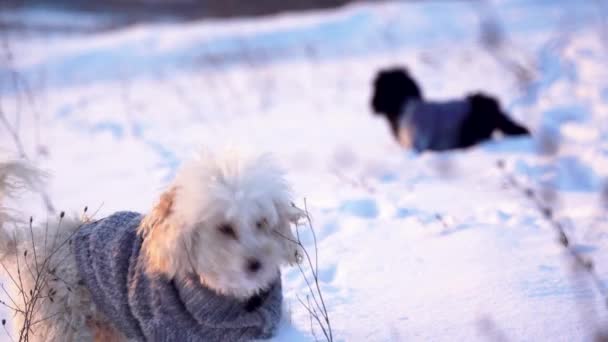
x=253 y=265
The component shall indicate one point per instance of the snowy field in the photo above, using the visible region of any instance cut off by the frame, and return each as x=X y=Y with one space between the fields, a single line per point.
x=431 y=247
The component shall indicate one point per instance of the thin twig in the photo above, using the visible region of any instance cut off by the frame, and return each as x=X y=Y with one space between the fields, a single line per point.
x=564 y=240
x=6 y=331
x=318 y=311
x=313 y=313
x=33 y=247
x=40 y=289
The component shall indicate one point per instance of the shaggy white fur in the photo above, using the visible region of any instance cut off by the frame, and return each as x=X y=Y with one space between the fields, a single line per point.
x=226 y=217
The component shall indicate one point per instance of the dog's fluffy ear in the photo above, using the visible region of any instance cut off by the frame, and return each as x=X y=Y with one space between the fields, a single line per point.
x=162 y=209
x=161 y=243
x=290 y=215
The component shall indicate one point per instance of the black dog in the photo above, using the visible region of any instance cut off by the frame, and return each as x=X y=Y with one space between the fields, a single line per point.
x=437 y=126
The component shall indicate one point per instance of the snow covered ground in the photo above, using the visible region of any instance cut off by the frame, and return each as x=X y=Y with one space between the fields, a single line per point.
x=432 y=247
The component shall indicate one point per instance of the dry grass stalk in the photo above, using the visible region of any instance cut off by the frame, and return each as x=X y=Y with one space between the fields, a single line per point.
x=314 y=302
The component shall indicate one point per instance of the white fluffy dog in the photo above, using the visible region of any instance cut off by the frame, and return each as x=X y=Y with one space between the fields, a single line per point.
x=223 y=228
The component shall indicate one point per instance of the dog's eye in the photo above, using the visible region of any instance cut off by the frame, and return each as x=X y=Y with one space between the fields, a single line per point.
x=227 y=230
x=261 y=224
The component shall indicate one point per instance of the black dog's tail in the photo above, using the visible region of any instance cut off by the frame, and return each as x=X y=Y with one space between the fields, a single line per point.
x=484 y=118
x=510 y=127
x=489 y=107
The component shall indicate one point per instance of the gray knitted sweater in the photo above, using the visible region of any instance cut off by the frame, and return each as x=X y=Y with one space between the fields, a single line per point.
x=150 y=307
x=432 y=125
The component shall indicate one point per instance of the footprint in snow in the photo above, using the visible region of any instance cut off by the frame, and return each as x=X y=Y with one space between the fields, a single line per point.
x=363 y=208
x=325 y=273
x=402 y=213
x=387 y=177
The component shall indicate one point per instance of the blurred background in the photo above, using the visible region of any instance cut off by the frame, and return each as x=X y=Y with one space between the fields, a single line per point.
x=126 y=12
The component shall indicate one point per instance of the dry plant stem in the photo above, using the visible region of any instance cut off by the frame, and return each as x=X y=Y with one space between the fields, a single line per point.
x=6 y=331
x=42 y=272
x=313 y=314
x=547 y=213
x=316 y=307
x=13 y=134
x=13 y=130
x=314 y=335
x=311 y=310
x=441 y=220
x=355 y=183
x=20 y=87
x=317 y=269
